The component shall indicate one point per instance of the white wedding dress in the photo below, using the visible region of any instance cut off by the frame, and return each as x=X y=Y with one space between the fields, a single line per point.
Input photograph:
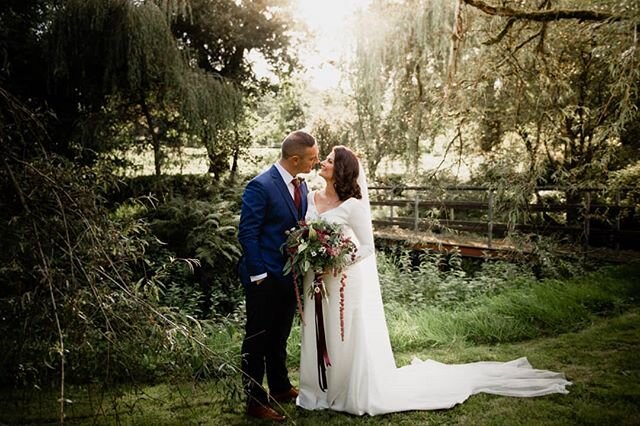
x=363 y=377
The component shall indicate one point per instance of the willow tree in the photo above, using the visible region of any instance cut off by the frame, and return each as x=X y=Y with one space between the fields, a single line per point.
x=217 y=36
x=550 y=87
x=79 y=289
x=398 y=77
x=118 y=57
x=557 y=81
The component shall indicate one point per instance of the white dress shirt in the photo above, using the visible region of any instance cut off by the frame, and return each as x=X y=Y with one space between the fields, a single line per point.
x=287 y=178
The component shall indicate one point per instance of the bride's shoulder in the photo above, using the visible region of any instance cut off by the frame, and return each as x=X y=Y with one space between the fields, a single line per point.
x=354 y=203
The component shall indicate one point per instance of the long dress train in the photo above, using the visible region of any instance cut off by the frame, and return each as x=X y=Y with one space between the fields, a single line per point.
x=363 y=377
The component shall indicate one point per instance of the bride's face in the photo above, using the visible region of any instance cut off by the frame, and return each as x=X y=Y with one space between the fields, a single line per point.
x=326 y=167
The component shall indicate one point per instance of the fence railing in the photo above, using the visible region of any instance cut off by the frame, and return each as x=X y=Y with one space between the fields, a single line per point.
x=581 y=216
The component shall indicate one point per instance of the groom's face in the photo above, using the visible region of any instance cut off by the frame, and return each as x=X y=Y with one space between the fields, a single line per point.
x=308 y=159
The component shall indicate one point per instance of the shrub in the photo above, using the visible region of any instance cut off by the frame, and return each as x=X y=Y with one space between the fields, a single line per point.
x=441 y=280
x=79 y=291
x=205 y=231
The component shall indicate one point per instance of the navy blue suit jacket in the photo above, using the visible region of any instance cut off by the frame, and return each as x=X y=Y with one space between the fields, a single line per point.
x=267 y=212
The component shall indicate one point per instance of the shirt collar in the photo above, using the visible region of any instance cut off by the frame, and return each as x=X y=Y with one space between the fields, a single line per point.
x=286 y=176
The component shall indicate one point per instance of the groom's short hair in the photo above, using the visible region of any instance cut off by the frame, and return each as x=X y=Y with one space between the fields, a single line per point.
x=296 y=142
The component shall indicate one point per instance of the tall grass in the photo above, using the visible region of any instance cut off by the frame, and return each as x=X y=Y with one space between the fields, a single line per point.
x=533 y=309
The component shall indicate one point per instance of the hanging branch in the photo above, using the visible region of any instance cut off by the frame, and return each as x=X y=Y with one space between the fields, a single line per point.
x=543 y=15
x=175 y=9
x=456 y=39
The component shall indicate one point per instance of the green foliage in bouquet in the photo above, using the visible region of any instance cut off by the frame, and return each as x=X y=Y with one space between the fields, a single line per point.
x=318 y=246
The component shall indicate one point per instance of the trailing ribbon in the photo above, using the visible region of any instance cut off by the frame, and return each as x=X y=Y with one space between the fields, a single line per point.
x=321 y=342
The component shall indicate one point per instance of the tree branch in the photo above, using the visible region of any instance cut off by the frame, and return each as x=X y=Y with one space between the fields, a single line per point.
x=502 y=33
x=542 y=15
x=521 y=45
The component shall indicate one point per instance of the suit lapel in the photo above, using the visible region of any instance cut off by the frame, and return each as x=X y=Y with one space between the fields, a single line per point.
x=284 y=191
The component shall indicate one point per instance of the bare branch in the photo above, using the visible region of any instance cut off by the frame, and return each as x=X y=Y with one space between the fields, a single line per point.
x=533 y=37
x=543 y=32
x=502 y=33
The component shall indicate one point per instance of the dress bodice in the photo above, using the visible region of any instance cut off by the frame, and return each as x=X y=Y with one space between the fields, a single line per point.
x=353 y=217
x=338 y=214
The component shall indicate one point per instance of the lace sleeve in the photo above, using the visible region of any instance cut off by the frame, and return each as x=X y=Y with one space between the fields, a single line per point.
x=360 y=222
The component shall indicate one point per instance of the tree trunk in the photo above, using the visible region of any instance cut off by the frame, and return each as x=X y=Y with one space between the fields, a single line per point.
x=155 y=139
x=234 y=165
x=456 y=39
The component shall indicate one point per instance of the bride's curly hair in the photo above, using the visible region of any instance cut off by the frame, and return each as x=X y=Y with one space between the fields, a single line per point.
x=345 y=173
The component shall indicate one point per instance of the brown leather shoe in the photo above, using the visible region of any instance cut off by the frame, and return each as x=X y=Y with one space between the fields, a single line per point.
x=264 y=412
x=286 y=396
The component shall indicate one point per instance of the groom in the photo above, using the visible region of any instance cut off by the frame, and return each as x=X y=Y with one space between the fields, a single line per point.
x=273 y=202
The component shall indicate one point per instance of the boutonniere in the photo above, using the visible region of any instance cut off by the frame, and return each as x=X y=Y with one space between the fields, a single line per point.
x=300 y=179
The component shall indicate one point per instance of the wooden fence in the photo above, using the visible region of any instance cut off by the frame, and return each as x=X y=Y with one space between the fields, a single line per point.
x=587 y=217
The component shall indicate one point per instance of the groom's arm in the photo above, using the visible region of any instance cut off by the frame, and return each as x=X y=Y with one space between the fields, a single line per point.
x=252 y=216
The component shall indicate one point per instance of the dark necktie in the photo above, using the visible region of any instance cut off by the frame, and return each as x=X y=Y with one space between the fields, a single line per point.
x=297 y=194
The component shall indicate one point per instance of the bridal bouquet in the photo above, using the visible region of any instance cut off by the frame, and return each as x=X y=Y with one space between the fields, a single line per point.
x=321 y=247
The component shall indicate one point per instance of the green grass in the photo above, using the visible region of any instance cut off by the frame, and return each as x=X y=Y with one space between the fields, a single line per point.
x=587 y=327
x=601 y=360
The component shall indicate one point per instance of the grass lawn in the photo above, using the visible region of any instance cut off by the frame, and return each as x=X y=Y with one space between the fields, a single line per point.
x=602 y=360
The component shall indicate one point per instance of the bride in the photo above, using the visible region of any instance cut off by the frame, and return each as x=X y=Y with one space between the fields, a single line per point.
x=362 y=377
